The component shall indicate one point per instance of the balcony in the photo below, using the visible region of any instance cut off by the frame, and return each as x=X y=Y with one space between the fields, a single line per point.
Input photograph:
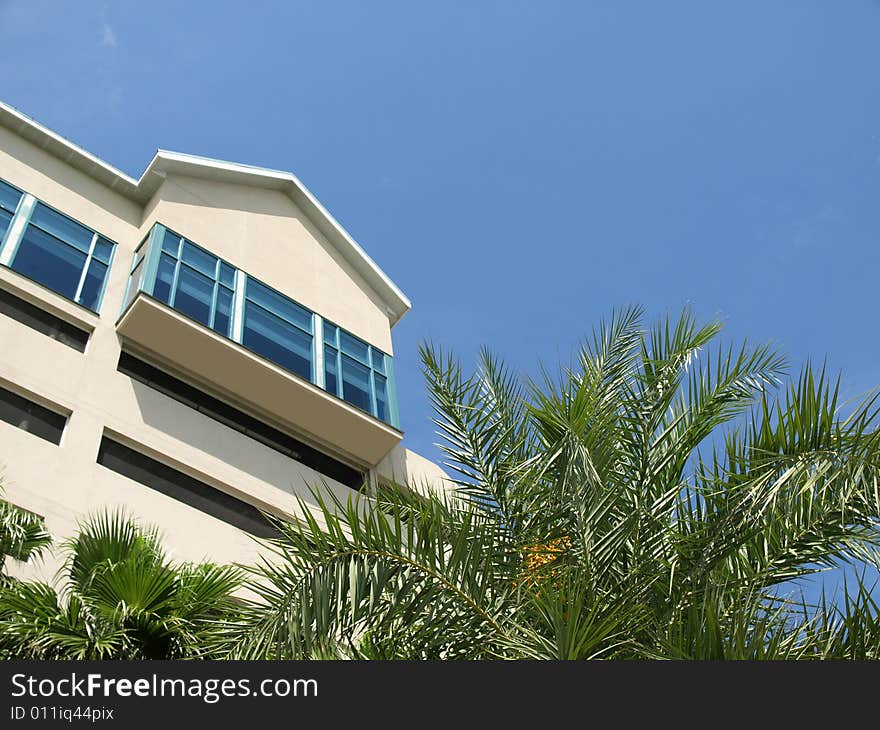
x=259 y=349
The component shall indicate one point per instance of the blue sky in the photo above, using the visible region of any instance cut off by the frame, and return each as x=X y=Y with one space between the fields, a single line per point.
x=519 y=168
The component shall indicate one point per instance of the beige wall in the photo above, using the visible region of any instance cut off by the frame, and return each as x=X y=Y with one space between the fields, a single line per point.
x=260 y=231
x=404 y=467
x=64 y=482
x=70 y=191
x=264 y=233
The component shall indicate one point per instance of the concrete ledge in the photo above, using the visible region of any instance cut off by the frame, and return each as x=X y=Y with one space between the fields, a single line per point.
x=245 y=377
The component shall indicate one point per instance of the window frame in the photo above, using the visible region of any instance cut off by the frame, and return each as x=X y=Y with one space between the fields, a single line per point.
x=302 y=319
x=20 y=223
x=179 y=263
x=13 y=213
x=373 y=352
x=248 y=299
x=37 y=409
x=39 y=320
x=135 y=462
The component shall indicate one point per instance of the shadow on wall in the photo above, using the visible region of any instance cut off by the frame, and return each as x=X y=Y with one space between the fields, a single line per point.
x=231 y=447
x=67 y=177
x=260 y=201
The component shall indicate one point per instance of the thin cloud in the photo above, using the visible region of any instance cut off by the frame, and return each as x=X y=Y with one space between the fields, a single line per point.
x=108 y=36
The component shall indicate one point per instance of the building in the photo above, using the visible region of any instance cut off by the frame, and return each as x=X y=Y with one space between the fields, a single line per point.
x=193 y=346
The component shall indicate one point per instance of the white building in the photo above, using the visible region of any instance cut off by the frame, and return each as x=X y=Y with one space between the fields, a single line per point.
x=193 y=346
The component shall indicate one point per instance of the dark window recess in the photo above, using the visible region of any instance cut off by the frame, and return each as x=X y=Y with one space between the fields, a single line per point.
x=184 y=488
x=40 y=320
x=235 y=419
x=31 y=417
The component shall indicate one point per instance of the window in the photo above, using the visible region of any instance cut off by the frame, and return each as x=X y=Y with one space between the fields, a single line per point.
x=212 y=292
x=278 y=328
x=9 y=198
x=237 y=420
x=31 y=417
x=193 y=281
x=42 y=321
x=356 y=372
x=136 y=277
x=64 y=256
x=184 y=488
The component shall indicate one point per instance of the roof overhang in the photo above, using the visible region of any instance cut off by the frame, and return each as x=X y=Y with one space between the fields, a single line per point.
x=166 y=162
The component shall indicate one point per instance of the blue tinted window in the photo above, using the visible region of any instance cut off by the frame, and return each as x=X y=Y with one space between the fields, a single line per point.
x=223 y=312
x=356 y=384
x=277 y=340
x=171 y=243
x=199 y=259
x=134 y=284
x=93 y=284
x=103 y=250
x=5 y=220
x=187 y=279
x=331 y=368
x=354 y=347
x=279 y=304
x=381 y=398
x=356 y=372
x=62 y=227
x=227 y=274
x=164 y=279
x=9 y=197
x=194 y=295
x=204 y=287
x=57 y=252
x=49 y=261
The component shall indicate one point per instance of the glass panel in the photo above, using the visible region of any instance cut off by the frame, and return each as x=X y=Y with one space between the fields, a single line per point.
x=134 y=282
x=279 y=304
x=330 y=334
x=356 y=384
x=138 y=257
x=198 y=259
x=103 y=250
x=354 y=347
x=382 y=398
x=277 y=340
x=9 y=197
x=194 y=294
x=378 y=360
x=5 y=219
x=164 y=279
x=62 y=227
x=31 y=417
x=93 y=284
x=49 y=261
x=331 y=382
x=227 y=274
x=223 y=313
x=41 y=321
x=171 y=243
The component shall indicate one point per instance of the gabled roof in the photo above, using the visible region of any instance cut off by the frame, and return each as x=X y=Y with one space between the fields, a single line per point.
x=164 y=162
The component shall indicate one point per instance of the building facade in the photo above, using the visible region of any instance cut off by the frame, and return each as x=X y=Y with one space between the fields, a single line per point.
x=194 y=347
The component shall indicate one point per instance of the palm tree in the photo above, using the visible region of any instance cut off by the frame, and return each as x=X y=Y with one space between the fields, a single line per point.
x=22 y=535
x=662 y=496
x=120 y=598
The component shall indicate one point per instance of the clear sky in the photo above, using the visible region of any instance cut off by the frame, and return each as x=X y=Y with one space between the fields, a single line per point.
x=518 y=168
